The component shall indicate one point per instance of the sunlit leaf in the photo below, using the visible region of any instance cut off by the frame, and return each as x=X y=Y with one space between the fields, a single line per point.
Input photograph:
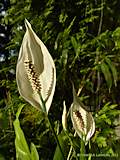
x=34 y=153
x=101 y=141
x=22 y=149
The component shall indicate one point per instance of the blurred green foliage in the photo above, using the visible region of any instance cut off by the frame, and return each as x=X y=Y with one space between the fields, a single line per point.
x=83 y=38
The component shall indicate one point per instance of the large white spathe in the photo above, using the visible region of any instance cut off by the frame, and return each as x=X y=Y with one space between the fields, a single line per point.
x=35 y=71
x=82 y=120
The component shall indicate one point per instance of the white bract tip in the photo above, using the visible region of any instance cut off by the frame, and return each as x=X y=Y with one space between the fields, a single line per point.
x=64 y=117
x=35 y=71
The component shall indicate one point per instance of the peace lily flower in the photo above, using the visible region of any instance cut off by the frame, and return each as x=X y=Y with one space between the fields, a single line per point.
x=82 y=120
x=35 y=71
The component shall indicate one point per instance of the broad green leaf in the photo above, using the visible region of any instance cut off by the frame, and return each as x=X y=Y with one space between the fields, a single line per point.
x=34 y=153
x=22 y=149
x=113 y=69
x=105 y=70
x=20 y=152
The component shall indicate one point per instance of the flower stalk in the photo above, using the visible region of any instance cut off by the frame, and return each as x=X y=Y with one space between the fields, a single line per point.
x=55 y=136
x=82 y=150
x=52 y=127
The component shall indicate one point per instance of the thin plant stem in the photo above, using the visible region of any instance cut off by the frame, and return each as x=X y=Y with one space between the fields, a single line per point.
x=55 y=136
x=101 y=19
x=43 y=104
x=51 y=125
x=82 y=150
x=69 y=154
x=90 y=154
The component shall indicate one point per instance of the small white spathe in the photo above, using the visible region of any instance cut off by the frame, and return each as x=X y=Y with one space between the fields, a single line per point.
x=82 y=120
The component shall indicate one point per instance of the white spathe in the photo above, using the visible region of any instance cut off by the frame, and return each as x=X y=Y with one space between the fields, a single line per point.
x=82 y=120
x=35 y=54
x=64 y=117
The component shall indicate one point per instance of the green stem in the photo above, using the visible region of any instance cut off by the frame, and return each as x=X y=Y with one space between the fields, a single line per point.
x=43 y=103
x=55 y=136
x=82 y=150
x=51 y=126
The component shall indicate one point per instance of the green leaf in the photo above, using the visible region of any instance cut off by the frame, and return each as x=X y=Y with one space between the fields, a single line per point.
x=113 y=106
x=57 y=154
x=68 y=29
x=34 y=153
x=62 y=141
x=116 y=37
x=64 y=57
x=74 y=43
x=76 y=47
x=108 y=121
x=21 y=153
x=22 y=149
x=19 y=111
x=105 y=70
x=101 y=141
x=105 y=108
x=113 y=69
x=62 y=18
